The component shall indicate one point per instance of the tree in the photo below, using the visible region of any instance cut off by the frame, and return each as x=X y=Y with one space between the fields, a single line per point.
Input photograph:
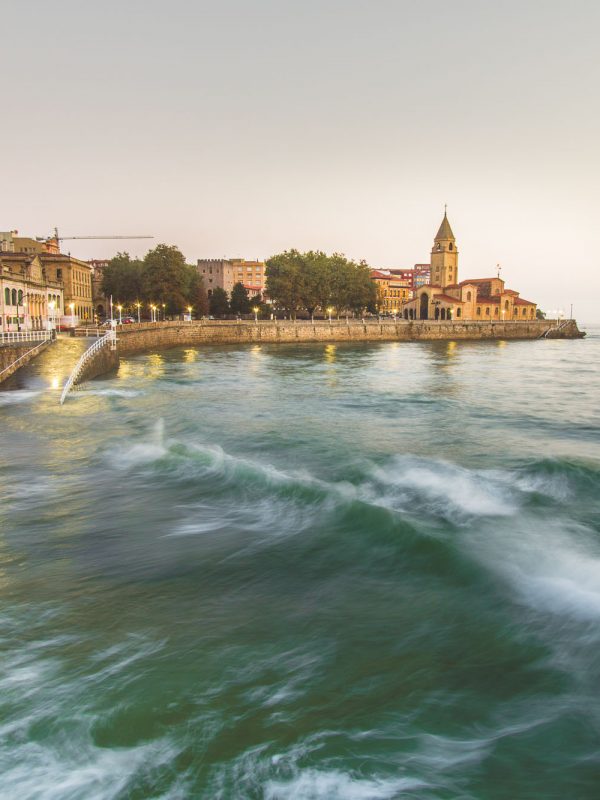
x=285 y=273
x=218 y=302
x=239 y=302
x=539 y=314
x=123 y=279
x=196 y=295
x=166 y=279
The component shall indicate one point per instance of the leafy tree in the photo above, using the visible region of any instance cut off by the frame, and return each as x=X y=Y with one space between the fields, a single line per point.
x=123 y=279
x=166 y=279
x=196 y=295
x=239 y=302
x=218 y=302
x=285 y=281
x=539 y=314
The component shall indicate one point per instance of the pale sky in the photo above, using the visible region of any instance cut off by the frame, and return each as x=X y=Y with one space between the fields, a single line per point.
x=235 y=128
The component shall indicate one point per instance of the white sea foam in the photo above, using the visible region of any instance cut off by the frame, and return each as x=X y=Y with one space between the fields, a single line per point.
x=444 y=489
x=313 y=784
x=72 y=771
x=17 y=396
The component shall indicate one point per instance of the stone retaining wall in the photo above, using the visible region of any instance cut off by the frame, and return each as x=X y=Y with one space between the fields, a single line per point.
x=147 y=336
x=105 y=360
x=10 y=353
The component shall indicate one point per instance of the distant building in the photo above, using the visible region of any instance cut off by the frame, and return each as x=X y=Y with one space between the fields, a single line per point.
x=11 y=242
x=100 y=302
x=226 y=272
x=473 y=299
x=29 y=300
x=76 y=278
x=392 y=290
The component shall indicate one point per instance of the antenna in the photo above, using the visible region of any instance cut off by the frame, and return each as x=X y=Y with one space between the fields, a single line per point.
x=499 y=268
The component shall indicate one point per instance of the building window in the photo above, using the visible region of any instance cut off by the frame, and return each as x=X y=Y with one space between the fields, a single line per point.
x=458 y=312
x=487 y=311
x=468 y=297
x=7 y=296
x=524 y=312
x=478 y=311
x=450 y=246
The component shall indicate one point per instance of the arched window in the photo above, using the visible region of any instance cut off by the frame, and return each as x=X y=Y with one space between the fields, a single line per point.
x=14 y=297
x=496 y=311
x=468 y=297
x=20 y=297
x=487 y=311
x=450 y=246
x=515 y=311
x=458 y=312
x=7 y=296
x=506 y=305
x=478 y=311
x=524 y=312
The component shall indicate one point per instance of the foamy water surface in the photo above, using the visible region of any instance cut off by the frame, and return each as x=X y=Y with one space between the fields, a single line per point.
x=305 y=573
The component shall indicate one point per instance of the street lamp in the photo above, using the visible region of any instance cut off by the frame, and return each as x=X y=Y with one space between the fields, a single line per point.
x=190 y=312
x=163 y=307
x=120 y=309
x=72 y=307
x=51 y=307
x=152 y=313
x=255 y=309
x=138 y=304
x=329 y=311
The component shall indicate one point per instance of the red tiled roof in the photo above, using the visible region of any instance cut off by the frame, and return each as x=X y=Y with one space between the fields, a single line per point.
x=519 y=301
x=376 y=274
x=479 y=280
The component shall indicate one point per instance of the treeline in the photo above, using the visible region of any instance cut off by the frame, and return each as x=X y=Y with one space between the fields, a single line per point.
x=161 y=278
x=314 y=282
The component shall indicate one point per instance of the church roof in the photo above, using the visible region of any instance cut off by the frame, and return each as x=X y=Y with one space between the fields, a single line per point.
x=445 y=231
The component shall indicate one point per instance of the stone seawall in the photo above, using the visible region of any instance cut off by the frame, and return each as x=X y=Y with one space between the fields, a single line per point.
x=10 y=353
x=147 y=336
x=105 y=360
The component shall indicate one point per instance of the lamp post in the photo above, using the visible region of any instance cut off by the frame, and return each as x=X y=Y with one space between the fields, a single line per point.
x=120 y=310
x=51 y=306
x=163 y=308
x=255 y=309
x=138 y=304
x=72 y=307
x=329 y=311
x=190 y=312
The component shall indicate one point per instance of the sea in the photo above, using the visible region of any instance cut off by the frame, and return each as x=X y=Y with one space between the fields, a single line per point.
x=303 y=572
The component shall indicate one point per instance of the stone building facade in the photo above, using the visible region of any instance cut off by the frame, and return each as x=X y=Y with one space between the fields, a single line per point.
x=480 y=299
x=226 y=272
x=29 y=298
x=76 y=278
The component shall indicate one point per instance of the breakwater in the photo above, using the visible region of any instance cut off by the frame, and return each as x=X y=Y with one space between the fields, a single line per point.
x=146 y=336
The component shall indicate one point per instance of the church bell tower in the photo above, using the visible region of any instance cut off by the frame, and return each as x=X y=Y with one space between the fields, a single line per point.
x=444 y=256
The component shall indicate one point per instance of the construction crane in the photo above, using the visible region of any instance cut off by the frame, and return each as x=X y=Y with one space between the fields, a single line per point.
x=60 y=239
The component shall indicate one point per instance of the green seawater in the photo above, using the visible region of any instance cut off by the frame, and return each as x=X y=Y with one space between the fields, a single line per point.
x=338 y=572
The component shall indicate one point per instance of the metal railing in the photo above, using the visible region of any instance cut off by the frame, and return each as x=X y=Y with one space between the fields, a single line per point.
x=16 y=337
x=21 y=360
x=108 y=339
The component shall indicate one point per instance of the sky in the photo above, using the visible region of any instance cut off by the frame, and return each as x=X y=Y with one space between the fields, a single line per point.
x=241 y=129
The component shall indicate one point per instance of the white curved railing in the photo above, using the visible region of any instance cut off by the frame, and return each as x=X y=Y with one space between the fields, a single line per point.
x=15 y=337
x=107 y=339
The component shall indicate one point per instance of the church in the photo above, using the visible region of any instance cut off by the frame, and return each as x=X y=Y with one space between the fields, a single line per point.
x=447 y=298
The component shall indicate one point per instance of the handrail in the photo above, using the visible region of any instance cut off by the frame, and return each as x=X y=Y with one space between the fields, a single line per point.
x=108 y=338
x=21 y=358
x=14 y=337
